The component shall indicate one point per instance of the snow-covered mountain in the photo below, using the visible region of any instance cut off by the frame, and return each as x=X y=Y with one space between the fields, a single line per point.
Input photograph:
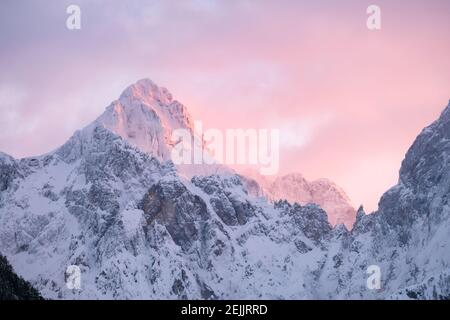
x=295 y=188
x=145 y=116
x=108 y=202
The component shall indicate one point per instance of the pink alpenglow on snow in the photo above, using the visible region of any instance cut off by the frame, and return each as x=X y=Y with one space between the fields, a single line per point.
x=348 y=101
x=146 y=116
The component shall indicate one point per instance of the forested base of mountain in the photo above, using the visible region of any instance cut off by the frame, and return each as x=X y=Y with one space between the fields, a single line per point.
x=13 y=287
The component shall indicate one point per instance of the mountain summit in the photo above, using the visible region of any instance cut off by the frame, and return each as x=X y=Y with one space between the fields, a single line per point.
x=145 y=115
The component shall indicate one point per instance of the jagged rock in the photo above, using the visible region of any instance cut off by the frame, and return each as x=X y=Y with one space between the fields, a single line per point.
x=172 y=205
x=8 y=171
x=226 y=203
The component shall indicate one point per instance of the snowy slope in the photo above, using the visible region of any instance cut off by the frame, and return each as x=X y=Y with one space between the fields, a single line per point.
x=138 y=229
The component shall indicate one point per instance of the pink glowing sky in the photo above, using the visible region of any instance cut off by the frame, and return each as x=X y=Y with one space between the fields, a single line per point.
x=349 y=101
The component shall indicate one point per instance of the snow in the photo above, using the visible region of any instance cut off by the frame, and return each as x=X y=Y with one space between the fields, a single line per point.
x=132 y=219
x=83 y=204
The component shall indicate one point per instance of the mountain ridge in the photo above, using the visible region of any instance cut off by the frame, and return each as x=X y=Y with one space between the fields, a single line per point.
x=137 y=229
x=324 y=192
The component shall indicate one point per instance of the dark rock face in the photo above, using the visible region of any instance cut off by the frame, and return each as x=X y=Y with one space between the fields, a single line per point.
x=171 y=204
x=8 y=171
x=424 y=161
x=424 y=188
x=231 y=210
x=310 y=219
x=413 y=216
x=364 y=223
x=13 y=287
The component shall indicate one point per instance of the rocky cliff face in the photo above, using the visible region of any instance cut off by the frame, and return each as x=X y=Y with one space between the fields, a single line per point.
x=408 y=237
x=137 y=229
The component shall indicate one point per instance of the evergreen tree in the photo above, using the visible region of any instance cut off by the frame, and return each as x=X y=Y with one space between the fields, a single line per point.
x=13 y=287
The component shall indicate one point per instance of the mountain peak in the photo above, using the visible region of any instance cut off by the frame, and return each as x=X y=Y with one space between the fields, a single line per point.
x=360 y=213
x=145 y=115
x=146 y=90
x=293 y=187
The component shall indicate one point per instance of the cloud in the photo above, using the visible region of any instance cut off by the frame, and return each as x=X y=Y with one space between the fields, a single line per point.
x=11 y=98
x=339 y=93
x=298 y=133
